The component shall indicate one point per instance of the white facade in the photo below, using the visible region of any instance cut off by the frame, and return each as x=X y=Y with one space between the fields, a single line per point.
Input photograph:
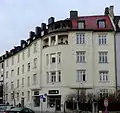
x=59 y=68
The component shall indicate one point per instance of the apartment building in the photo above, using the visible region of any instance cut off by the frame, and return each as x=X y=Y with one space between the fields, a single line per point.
x=1 y=79
x=60 y=58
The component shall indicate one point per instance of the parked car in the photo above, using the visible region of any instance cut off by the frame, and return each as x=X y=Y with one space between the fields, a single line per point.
x=19 y=110
x=5 y=107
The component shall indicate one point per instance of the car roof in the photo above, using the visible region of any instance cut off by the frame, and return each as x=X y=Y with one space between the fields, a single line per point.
x=16 y=109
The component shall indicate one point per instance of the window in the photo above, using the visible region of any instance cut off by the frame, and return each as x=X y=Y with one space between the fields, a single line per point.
x=22 y=82
x=47 y=59
x=101 y=23
x=103 y=75
x=103 y=57
x=34 y=79
x=35 y=62
x=81 y=24
x=59 y=76
x=35 y=47
x=6 y=86
x=17 y=96
x=18 y=57
x=17 y=83
x=12 y=72
x=6 y=98
x=81 y=75
x=18 y=71
x=22 y=93
x=23 y=55
x=80 y=38
x=2 y=65
x=102 y=39
x=59 y=57
x=80 y=56
x=12 y=85
x=7 y=63
x=22 y=69
x=47 y=76
x=12 y=60
x=12 y=96
x=6 y=74
x=28 y=51
x=103 y=93
x=28 y=66
x=53 y=58
x=28 y=81
x=53 y=76
x=28 y=95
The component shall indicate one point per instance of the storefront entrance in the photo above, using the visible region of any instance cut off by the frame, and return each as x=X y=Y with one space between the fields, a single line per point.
x=54 y=101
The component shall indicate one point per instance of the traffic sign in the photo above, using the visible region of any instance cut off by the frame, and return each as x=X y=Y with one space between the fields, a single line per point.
x=106 y=102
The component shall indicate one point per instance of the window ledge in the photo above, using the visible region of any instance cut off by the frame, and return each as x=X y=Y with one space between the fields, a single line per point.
x=81 y=82
x=81 y=62
x=104 y=82
x=103 y=62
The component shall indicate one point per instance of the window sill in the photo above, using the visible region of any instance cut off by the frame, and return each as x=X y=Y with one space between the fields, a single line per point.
x=81 y=81
x=81 y=62
x=103 y=62
x=104 y=82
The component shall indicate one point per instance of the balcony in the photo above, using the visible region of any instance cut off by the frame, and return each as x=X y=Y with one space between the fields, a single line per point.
x=62 y=39
x=60 y=26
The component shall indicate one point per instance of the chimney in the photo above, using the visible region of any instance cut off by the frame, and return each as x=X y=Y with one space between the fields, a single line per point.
x=38 y=31
x=43 y=26
x=73 y=14
x=111 y=11
x=106 y=11
x=51 y=20
x=31 y=34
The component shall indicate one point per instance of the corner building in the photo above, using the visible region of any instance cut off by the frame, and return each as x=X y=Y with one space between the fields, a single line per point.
x=60 y=59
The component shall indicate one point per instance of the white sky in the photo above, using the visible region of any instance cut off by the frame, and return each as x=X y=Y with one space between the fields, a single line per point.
x=18 y=17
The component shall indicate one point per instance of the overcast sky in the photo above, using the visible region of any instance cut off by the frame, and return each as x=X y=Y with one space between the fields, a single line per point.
x=18 y=17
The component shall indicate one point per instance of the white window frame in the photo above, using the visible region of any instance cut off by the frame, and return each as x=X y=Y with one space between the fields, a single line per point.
x=103 y=57
x=17 y=83
x=34 y=79
x=59 y=57
x=18 y=71
x=81 y=75
x=23 y=55
x=104 y=93
x=80 y=38
x=23 y=82
x=35 y=47
x=103 y=76
x=53 y=76
x=28 y=66
x=101 y=24
x=35 y=62
x=102 y=39
x=81 y=56
x=81 y=24
x=53 y=55
x=12 y=72
x=6 y=74
x=23 y=69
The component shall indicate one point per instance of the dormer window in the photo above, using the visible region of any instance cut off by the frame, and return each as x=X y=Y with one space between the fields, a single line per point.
x=101 y=23
x=42 y=33
x=23 y=45
x=28 y=42
x=81 y=24
x=33 y=38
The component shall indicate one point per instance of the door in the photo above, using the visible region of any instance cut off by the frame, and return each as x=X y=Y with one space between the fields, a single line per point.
x=58 y=104
x=22 y=102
